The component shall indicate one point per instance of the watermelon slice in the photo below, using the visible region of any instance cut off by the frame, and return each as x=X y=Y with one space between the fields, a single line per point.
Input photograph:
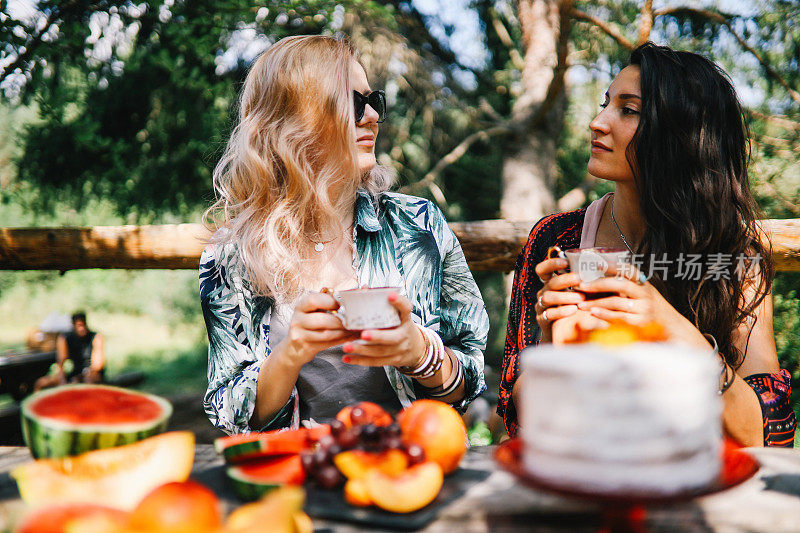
x=117 y=477
x=253 y=479
x=240 y=448
x=73 y=419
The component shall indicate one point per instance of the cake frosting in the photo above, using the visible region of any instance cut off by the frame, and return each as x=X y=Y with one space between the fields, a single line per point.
x=642 y=417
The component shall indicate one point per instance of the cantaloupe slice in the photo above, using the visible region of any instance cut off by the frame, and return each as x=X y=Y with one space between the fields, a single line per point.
x=117 y=477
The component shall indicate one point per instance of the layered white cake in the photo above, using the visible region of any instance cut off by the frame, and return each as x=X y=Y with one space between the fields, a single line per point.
x=642 y=418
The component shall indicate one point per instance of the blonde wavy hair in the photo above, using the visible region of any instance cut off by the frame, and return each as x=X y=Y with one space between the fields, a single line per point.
x=290 y=167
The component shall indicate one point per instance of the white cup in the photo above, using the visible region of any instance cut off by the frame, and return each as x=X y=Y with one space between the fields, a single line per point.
x=367 y=308
x=593 y=263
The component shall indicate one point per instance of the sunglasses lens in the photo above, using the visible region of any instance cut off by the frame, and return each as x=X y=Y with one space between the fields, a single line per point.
x=376 y=100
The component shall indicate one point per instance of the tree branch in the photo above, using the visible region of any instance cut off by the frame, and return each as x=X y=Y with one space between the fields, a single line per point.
x=725 y=21
x=646 y=23
x=607 y=28
x=508 y=42
x=783 y=122
x=456 y=154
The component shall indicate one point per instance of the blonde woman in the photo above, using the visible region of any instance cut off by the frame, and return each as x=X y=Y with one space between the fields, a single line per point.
x=303 y=207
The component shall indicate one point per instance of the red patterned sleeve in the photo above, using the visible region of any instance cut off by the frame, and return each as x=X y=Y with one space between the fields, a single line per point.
x=522 y=331
x=774 y=393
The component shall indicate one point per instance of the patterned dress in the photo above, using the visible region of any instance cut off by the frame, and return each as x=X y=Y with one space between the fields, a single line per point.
x=399 y=240
x=564 y=230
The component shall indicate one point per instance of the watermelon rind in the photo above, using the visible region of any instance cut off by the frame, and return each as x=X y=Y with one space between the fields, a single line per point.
x=47 y=437
x=247 y=488
x=269 y=443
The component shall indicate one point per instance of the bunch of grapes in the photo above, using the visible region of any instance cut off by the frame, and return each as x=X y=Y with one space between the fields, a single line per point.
x=362 y=434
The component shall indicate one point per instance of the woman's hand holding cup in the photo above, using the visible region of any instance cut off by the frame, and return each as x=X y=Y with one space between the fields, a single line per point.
x=554 y=300
x=313 y=328
x=402 y=345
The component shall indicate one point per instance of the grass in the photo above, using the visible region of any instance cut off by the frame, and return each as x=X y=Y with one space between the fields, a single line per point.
x=150 y=320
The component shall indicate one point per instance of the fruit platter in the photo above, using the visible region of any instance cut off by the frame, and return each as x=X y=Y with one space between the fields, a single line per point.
x=93 y=475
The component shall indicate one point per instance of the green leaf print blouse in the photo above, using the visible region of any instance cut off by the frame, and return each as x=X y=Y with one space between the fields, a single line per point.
x=399 y=240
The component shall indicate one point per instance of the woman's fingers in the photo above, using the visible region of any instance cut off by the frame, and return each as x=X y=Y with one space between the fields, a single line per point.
x=402 y=304
x=562 y=282
x=551 y=314
x=318 y=321
x=546 y=268
x=554 y=298
x=316 y=301
x=608 y=315
x=329 y=336
x=614 y=303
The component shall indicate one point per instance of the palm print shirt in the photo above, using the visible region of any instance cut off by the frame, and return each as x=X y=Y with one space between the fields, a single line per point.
x=399 y=240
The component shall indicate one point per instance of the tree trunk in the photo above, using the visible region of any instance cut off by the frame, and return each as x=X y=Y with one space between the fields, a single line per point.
x=529 y=168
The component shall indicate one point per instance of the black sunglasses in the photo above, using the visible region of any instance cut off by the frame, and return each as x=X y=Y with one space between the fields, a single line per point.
x=375 y=99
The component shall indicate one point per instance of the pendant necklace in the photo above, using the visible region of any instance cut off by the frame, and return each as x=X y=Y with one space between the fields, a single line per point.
x=622 y=235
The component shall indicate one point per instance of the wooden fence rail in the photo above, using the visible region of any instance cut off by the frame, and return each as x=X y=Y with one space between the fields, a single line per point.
x=489 y=245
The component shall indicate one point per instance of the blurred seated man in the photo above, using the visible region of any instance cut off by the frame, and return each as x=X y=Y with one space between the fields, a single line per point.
x=86 y=351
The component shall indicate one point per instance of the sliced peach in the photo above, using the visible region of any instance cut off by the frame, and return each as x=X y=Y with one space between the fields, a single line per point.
x=355 y=464
x=412 y=490
x=356 y=494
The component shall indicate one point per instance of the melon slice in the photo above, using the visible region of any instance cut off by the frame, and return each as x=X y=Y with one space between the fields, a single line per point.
x=253 y=479
x=116 y=477
x=239 y=448
x=73 y=419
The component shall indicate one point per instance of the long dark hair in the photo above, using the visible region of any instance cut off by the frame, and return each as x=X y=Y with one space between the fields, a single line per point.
x=689 y=157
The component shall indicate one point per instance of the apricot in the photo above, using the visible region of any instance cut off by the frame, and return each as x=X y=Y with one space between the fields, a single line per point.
x=356 y=493
x=407 y=492
x=438 y=429
x=355 y=464
x=364 y=413
x=178 y=507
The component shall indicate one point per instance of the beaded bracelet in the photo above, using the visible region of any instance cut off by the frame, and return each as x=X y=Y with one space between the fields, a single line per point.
x=433 y=358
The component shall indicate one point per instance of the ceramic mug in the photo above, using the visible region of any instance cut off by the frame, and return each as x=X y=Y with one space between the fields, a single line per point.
x=593 y=263
x=367 y=308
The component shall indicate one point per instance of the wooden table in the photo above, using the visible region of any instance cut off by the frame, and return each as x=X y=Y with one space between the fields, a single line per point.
x=768 y=502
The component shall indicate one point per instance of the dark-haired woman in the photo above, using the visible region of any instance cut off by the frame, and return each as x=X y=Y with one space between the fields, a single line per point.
x=672 y=138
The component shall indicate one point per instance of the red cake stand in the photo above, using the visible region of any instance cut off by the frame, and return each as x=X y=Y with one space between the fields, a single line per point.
x=625 y=511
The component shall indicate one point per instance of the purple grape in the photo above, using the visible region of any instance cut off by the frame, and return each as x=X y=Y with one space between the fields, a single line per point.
x=416 y=454
x=326 y=442
x=307 y=460
x=358 y=416
x=337 y=426
x=334 y=450
x=370 y=434
x=393 y=442
x=393 y=429
x=348 y=438
x=329 y=477
x=320 y=458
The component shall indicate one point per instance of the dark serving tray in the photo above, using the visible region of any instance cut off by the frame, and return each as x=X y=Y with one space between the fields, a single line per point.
x=330 y=504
